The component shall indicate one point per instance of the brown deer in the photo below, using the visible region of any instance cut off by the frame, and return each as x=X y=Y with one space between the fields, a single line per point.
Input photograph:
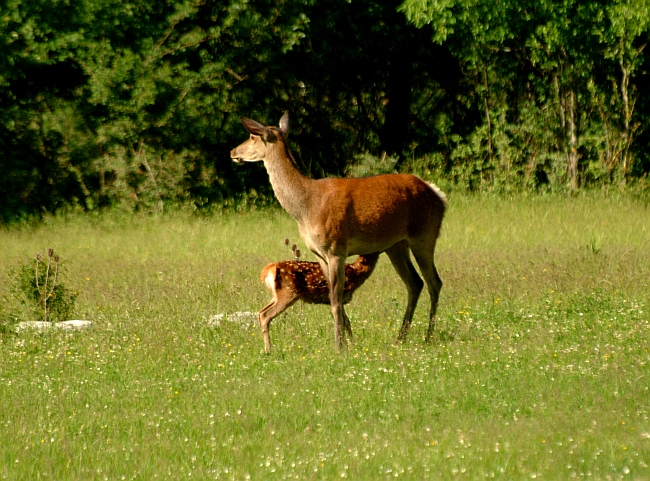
x=395 y=213
x=295 y=280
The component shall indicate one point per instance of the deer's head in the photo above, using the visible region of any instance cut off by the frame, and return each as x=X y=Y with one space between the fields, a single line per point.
x=261 y=140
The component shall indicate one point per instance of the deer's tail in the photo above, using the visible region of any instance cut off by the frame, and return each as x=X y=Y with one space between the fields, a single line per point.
x=439 y=193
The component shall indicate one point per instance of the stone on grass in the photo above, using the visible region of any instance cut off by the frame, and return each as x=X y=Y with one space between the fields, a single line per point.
x=41 y=325
x=74 y=324
x=38 y=325
x=242 y=318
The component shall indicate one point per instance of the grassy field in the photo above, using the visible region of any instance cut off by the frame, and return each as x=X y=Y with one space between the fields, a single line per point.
x=538 y=368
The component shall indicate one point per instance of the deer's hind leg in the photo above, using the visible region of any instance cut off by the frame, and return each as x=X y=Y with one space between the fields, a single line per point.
x=400 y=257
x=424 y=258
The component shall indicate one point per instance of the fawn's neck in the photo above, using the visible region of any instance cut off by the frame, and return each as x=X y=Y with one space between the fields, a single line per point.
x=364 y=265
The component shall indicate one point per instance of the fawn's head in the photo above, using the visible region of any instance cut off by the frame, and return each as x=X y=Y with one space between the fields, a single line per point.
x=260 y=141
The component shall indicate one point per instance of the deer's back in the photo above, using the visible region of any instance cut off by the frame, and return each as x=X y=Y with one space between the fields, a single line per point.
x=373 y=213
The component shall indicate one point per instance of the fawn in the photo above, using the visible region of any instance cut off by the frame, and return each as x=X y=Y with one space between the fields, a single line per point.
x=290 y=281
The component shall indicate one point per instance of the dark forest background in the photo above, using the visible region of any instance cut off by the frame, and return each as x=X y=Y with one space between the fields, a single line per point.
x=136 y=103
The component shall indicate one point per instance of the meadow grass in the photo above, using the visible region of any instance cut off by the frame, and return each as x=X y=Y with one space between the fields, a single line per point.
x=538 y=367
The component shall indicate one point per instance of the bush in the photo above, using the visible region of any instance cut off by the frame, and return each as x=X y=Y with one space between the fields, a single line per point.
x=37 y=292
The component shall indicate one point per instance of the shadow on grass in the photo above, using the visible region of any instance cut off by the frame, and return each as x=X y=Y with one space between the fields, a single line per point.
x=442 y=336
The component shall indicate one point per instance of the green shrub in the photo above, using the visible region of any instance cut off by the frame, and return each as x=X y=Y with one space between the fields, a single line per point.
x=365 y=165
x=37 y=292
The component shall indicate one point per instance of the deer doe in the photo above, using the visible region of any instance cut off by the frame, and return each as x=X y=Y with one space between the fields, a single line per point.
x=290 y=281
x=399 y=214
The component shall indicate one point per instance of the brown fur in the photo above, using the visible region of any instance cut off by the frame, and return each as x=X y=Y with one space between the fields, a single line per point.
x=291 y=281
x=398 y=214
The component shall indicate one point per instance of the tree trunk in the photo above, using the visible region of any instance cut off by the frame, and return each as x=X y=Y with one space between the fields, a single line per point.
x=486 y=105
x=628 y=129
x=572 y=147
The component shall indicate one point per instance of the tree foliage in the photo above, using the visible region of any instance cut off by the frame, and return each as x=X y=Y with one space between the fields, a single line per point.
x=105 y=102
x=559 y=82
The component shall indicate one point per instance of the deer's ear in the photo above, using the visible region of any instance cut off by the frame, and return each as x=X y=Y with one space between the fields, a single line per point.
x=254 y=127
x=258 y=129
x=284 y=124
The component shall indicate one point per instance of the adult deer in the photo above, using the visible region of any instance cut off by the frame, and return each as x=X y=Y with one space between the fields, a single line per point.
x=393 y=213
x=290 y=281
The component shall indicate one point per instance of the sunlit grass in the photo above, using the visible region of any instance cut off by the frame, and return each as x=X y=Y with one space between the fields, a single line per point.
x=538 y=368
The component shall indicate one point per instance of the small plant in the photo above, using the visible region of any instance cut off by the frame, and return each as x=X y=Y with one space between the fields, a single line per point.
x=593 y=247
x=5 y=318
x=39 y=288
x=42 y=285
x=294 y=249
x=286 y=243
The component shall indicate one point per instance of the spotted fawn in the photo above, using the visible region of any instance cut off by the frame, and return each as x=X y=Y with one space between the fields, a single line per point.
x=290 y=281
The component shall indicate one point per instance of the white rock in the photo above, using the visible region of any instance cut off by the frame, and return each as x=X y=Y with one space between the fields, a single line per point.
x=33 y=325
x=74 y=324
x=243 y=318
x=40 y=325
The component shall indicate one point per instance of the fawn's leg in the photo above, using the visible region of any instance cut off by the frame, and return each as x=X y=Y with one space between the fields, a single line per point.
x=271 y=310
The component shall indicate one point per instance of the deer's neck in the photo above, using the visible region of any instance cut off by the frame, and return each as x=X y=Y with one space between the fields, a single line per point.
x=292 y=189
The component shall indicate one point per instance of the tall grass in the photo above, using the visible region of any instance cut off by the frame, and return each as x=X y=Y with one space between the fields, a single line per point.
x=538 y=368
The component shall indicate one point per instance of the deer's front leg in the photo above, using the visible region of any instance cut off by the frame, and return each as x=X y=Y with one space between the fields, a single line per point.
x=336 y=282
x=348 y=327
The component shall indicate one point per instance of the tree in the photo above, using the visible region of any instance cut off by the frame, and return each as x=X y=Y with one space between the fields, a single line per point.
x=541 y=65
x=144 y=97
x=625 y=37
